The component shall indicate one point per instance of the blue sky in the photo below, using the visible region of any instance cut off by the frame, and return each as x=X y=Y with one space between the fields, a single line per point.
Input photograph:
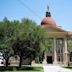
x=61 y=10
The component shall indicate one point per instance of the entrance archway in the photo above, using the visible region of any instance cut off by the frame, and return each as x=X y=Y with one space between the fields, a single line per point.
x=49 y=60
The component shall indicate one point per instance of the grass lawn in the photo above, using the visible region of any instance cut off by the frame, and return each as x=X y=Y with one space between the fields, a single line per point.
x=22 y=69
x=69 y=67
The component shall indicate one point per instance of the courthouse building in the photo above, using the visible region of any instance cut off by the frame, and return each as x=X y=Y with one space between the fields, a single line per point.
x=58 y=49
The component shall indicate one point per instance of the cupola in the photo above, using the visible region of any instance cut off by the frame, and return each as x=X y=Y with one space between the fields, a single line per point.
x=48 y=20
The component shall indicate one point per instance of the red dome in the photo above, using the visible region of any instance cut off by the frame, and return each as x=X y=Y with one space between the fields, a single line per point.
x=48 y=21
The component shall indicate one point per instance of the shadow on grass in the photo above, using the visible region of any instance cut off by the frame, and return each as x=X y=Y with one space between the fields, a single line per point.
x=23 y=68
x=69 y=67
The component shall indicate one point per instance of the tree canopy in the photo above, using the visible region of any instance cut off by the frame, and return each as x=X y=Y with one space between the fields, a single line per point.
x=70 y=45
x=24 y=38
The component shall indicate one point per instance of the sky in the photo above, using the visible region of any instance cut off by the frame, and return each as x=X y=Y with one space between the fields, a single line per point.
x=61 y=11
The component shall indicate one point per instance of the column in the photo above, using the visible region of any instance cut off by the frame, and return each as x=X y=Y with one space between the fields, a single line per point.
x=55 y=54
x=45 y=59
x=65 y=52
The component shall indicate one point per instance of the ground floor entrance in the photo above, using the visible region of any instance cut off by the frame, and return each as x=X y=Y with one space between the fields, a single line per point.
x=49 y=60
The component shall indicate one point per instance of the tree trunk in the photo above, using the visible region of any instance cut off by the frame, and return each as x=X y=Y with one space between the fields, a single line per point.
x=20 y=63
x=7 y=61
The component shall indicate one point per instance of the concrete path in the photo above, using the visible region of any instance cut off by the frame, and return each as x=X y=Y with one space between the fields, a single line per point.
x=54 y=68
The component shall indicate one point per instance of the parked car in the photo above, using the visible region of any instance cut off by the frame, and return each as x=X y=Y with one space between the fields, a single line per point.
x=2 y=60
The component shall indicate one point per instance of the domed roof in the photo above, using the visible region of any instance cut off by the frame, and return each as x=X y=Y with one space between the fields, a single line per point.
x=48 y=20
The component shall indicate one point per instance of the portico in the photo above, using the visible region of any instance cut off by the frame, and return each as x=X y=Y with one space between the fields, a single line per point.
x=58 y=53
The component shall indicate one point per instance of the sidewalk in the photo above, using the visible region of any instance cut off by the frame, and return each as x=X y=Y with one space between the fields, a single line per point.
x=54 y=68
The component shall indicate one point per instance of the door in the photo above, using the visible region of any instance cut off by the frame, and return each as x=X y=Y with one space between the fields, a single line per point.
x=49 y=60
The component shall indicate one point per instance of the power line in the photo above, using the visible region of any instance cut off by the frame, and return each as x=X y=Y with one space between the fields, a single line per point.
x=32 y=11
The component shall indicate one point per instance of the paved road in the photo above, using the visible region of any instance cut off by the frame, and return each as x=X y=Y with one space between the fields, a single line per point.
x=54 y=68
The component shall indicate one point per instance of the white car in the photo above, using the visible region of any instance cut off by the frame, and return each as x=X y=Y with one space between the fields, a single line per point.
x=1 y=62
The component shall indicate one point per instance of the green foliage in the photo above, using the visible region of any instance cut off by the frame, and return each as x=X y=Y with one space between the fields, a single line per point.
x=28 y=31
x=70 y=45
x=50 y=45
x=23 y=37
x=69 y=67
x=5 y=36
x=23 y=68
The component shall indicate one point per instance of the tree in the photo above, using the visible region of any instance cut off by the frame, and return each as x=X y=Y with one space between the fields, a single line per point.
x=31 y=40
x=24 y=38
x=70 y=45
x=7 y=37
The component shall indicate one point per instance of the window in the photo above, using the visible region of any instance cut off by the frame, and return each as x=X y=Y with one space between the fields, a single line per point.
x=59 y=49
x=58 y=58
x=71 y=57
x=59 y=45
x=1 y=62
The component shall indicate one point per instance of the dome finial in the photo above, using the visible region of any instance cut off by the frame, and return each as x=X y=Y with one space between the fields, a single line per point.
x=48 y=8
x=48 y=14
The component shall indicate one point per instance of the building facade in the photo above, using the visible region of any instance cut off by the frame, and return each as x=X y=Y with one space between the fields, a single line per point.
x=57 y=46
